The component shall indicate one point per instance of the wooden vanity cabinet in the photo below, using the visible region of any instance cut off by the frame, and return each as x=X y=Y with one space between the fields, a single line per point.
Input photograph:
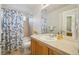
x=40 y=48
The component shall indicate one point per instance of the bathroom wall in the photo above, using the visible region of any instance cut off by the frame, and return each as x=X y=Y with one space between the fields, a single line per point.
x=55 y=18
x=26 y=27
x=0 y=29
x=37 y=21
x=0 y=23
x=78 y=28
x=73 y=13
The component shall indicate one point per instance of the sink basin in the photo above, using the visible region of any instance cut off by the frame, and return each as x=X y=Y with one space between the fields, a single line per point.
x=48 y=38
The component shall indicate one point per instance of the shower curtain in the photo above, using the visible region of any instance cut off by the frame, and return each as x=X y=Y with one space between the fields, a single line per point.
x=12 y=28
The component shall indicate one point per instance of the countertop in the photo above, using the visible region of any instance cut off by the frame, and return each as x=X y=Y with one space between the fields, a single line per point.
x=65 y=45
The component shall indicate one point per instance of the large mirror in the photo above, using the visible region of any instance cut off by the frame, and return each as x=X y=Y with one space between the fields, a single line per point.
x=63 y=20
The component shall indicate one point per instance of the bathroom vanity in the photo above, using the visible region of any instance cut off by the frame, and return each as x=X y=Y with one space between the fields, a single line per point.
x=43 y=45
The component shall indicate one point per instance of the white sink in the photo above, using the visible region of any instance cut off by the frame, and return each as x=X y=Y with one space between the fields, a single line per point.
x=48 y=38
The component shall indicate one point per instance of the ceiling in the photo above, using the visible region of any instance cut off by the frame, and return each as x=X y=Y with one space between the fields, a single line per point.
x=54 y=7
x=33 y=8
x=25 y=8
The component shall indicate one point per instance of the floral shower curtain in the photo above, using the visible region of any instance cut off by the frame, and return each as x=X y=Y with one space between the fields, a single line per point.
x=12 y=27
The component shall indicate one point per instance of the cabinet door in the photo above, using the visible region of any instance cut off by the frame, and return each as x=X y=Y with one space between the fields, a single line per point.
x=33 y=47
x=38 y=48
x=42 y=49
x=56 y=52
